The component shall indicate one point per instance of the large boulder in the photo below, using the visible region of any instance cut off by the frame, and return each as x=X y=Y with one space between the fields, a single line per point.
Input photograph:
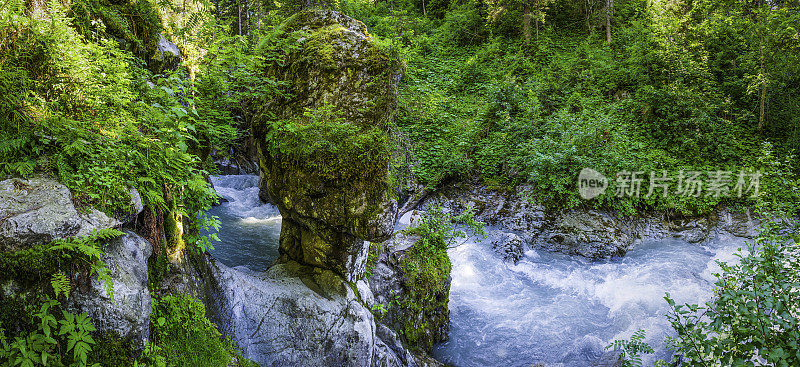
x=168 y=55
x=297 y=315
x=588 y=233
x=128 y=313
x=323 y=152
x=39 y=210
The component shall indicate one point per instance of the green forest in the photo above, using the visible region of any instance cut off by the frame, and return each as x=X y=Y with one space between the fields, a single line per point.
x=506 y=93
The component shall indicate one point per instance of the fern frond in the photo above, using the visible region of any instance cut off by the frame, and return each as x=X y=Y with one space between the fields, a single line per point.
x=60 y=284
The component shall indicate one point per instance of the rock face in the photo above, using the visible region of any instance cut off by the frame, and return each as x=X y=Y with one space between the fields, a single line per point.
x=39 y=210
x=585 y=232
x=425 y=319
x=327 y=215
x=169 y=54
x=129 y=313
x=510 y=246
x=297 y=315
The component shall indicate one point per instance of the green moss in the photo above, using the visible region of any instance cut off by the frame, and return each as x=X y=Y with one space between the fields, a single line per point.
x=372 y=258
x=172 y=230
x=322 y=143
x=32 y=265
x=320 y=48
x=111 y=350
x=157 y=269
x=424 y=309
x=16 y=312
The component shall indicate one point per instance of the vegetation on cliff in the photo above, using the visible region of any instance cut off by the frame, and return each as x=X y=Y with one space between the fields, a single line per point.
x=532 y=92
x=512 y=92
x=423 y=312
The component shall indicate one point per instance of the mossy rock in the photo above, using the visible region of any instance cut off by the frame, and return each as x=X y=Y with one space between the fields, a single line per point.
x=413 y=284
x=324 y=150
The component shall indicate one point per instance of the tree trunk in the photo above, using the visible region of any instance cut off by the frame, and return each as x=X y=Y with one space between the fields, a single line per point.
x=526 y=23
x=609 y=10
x=239 y=6
x=762 y=99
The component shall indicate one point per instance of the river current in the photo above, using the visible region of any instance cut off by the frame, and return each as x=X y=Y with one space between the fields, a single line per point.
x=548 y=308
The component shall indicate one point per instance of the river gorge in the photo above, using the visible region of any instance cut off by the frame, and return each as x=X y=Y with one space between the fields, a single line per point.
x=551 y=308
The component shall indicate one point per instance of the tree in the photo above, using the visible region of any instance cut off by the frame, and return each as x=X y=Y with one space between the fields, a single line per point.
x=609 y=11
x=533 y=10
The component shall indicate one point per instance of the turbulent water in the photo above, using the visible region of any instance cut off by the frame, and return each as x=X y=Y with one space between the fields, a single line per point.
x=549 y=308
x=563 y=310
x=250 y=230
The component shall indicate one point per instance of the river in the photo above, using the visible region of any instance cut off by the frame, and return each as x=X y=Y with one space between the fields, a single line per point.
x=549 y=308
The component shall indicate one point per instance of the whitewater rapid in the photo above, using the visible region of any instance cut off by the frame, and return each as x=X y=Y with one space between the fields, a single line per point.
x=564 y=310
x=549 y=308
x=250 y=230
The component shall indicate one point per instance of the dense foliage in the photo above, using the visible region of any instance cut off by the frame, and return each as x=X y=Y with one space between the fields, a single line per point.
x=181 y=335
x=532 y=92
x=85 y=97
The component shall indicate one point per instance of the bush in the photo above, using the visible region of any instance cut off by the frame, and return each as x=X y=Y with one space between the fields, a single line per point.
x=752 y=319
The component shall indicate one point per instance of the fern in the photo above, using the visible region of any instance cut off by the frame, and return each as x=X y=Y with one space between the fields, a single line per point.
x=89 y=247
x=60 y=284
x=9 y=146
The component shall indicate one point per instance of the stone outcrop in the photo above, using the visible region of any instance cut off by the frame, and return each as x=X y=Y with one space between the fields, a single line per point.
x=586 y=232
x=168 y=55
x=128 y=314
x=328 y=215
x=39 y=210
x=424 y=318
x=510 y=246
x=298 y=315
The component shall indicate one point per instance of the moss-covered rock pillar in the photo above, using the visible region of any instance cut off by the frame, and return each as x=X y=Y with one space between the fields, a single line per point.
x=324 y=149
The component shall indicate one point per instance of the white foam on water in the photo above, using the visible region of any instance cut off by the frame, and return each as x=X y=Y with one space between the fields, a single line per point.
x=564 y=310
x=250 y=229
x=254 y=220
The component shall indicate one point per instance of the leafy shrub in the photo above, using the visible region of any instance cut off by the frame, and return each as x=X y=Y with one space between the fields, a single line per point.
x=56 y=336
x=752 y=319
x=632 y=349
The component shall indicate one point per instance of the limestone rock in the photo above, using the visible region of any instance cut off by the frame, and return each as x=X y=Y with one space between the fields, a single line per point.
x=295 y=315
x=329 y=212
x=429 y=318
x=586 y=232
x=169 y=54
x=135 y=208
x=509 y=246
x=129 y=313
x=591 y=234
x=39 y=210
